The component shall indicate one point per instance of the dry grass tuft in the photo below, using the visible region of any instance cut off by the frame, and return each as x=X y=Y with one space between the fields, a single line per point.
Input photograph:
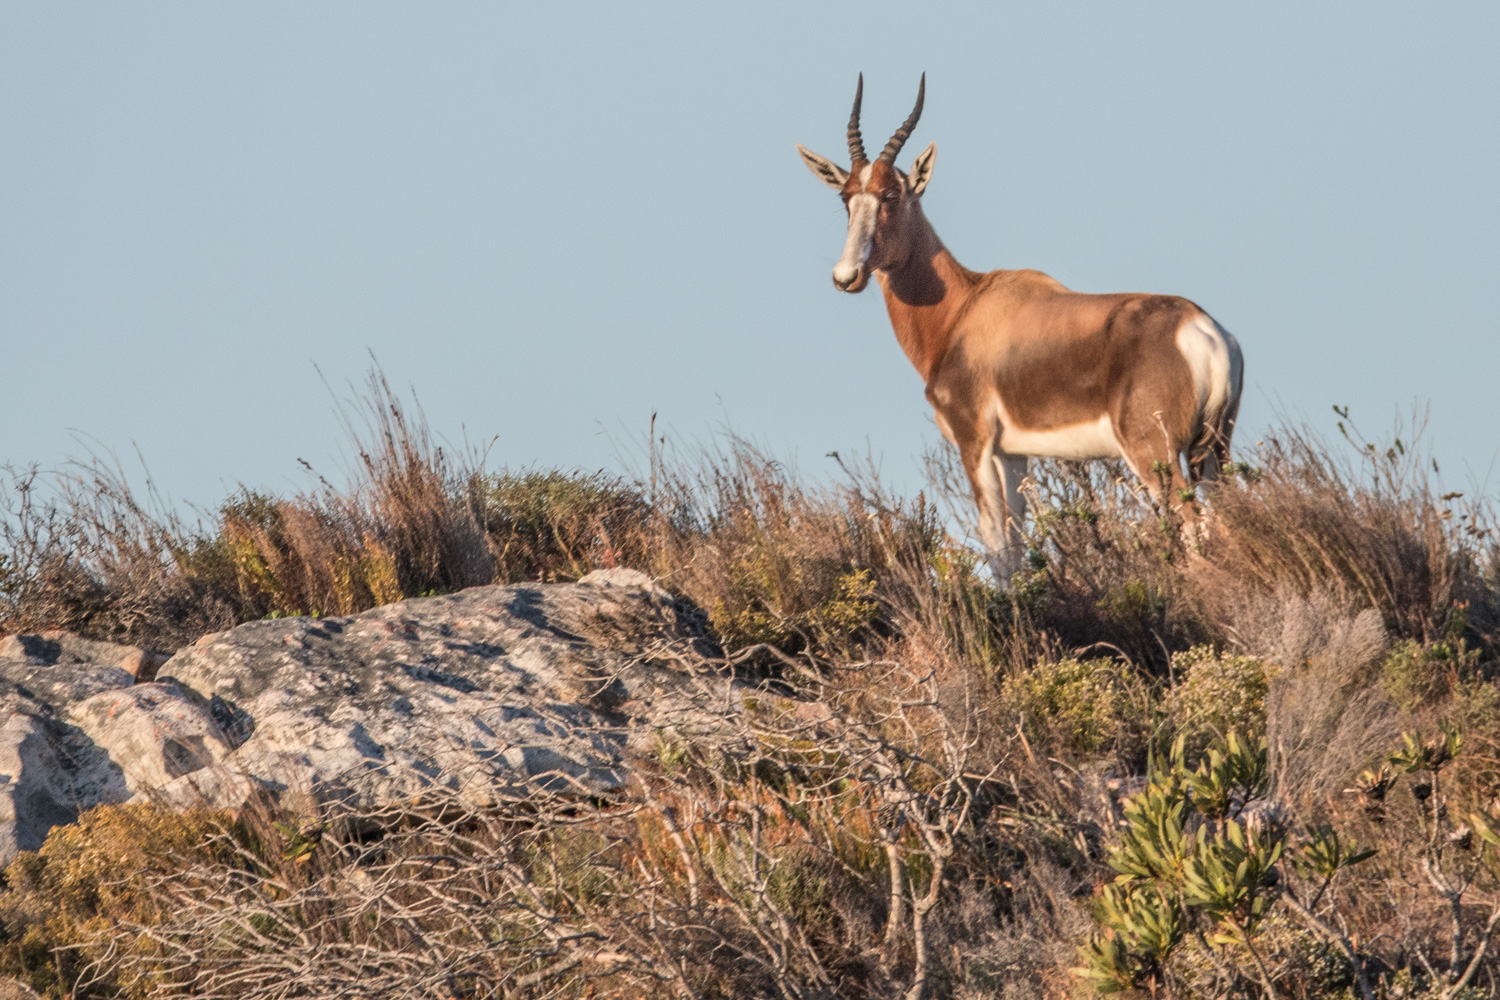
x=1370 y=531
x=83 y=552
x=778 y=561
x=1326 y=717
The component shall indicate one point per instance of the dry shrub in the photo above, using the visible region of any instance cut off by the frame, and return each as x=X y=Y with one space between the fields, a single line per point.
x=459 y=903
x=774 y=876
x=830 y=854
x=412 y=504
x=1325 y=714
x=1371 y=531
x=1366 y=525
x=1023 y=947
x=1107 y=565
x=770 y=559
x=1291 y=629
x=1394 y=902
x=87 y=555
x=401 y=529
x=84 y=553
x=777 y=561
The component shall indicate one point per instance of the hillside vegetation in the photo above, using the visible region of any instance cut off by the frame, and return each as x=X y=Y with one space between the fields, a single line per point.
x=1264 y=764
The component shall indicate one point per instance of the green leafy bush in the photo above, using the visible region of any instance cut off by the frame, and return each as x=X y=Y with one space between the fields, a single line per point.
x=1085 y=706
x=1216 y=694
x=549 y=525
x=1415 y=675
x=1195 y=857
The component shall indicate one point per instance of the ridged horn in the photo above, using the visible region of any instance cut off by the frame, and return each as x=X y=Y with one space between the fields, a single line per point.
x=857 y=142
x=904 y=132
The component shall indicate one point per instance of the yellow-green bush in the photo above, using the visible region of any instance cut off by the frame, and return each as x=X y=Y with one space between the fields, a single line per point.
x=1085 y=706
x=1415 y=674
x=88 y=879
x=775 y=560
x=1215 y=694
x=765 y=613
x=548 y=525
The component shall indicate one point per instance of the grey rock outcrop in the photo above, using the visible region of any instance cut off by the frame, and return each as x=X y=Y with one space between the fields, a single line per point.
x=65 y=648
x=491 y=685
x=50 y=769
x=155 y=733
x=484 y=692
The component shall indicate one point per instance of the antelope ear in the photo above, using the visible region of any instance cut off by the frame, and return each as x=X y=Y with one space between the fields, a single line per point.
x=921 y=170
x=827 y=171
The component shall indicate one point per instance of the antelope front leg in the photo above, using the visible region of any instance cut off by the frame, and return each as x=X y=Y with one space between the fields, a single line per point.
x=996 y=478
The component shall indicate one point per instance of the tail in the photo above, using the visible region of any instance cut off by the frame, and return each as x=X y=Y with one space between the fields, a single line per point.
x=1209 y=452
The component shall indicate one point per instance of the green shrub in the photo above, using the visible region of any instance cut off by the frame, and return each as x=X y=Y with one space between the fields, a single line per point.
x=1406 y=985
x=557 y=525
x=1169 y=879
x=1132 y=605
x=1084 y=707
x=1216 y=694
x=1197 y=861
x=1415 y=675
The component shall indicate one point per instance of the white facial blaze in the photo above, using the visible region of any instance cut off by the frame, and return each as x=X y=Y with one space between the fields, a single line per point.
x=863 y=209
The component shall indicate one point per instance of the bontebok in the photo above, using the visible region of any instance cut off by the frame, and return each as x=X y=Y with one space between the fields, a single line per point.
x=1018 y=365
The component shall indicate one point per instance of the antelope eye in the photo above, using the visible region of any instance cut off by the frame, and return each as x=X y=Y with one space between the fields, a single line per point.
x=892 y=195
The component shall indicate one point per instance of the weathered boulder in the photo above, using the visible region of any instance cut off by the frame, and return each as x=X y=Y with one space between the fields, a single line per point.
x=155 y=733
x=489 y=686
x=484 y=692
x=65 y=648
x=50 y=769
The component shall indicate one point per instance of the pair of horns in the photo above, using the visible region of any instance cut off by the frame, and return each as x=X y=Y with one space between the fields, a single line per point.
x=888 y=154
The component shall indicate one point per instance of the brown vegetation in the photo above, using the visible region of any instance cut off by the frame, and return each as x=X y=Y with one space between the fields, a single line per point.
x=945 y=828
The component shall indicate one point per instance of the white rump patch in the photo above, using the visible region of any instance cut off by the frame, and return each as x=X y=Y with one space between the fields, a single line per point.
x=1205 y=347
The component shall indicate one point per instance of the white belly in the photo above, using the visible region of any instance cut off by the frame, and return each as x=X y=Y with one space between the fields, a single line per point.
x=1094 y=439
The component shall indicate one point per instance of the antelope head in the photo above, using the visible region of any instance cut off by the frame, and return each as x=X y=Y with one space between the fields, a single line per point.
x=882 y=202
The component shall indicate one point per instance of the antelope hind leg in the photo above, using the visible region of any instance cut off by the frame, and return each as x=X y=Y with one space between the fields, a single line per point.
x=1160 y=471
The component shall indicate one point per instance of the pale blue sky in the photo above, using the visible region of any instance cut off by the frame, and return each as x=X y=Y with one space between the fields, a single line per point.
x=552 y=219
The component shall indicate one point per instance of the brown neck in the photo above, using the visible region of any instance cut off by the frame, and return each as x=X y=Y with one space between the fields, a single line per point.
x=924 y=296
